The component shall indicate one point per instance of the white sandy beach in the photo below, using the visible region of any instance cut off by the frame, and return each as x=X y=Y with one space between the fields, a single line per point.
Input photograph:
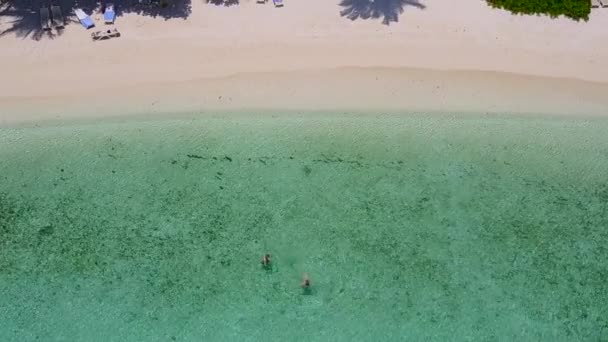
x=453 y=55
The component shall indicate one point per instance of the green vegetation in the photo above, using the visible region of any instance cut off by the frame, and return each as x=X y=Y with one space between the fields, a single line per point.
x=574 y=9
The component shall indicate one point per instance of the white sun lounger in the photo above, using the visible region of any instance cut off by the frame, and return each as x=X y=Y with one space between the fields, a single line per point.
x=84 y=18
x=58 y=21
x=103 y=35
x=595 y=3
x=109 y=15
x=45 y=19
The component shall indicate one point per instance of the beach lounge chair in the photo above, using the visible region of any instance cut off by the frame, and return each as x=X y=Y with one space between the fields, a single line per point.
x=84 y=18
x=58 y=21
x=103 y=35
x=604 y=3
x=109 y=15
x=278 y=3
x=595 y=3
x=45 y=19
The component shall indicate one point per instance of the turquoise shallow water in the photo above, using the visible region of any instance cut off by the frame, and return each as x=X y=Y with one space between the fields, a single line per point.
x=420 y=228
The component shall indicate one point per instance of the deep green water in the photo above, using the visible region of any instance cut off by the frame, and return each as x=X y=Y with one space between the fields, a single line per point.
x=411 y=228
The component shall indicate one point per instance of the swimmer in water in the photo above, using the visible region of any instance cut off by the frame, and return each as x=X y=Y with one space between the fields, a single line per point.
x=305 y=281
x=266 y=261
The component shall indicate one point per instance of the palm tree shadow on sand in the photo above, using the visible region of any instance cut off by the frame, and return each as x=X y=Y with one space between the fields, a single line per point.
x=223 y=2
x=387 y=10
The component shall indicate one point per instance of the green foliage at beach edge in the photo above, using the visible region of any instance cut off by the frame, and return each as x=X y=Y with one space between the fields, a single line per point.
x=574 y=9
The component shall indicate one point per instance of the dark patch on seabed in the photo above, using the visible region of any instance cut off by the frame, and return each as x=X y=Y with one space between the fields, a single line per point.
x=11 y=211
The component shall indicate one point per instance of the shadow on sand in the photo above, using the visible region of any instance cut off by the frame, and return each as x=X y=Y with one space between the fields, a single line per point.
x=387 y=10
x=25 y=15
x=223 y=2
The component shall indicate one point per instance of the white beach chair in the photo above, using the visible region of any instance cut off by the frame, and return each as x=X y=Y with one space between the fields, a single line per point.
x=595 y=3
x=85 y=19
x=109 y=15
x=45 y=19
x=103 y=35
x=58 y=21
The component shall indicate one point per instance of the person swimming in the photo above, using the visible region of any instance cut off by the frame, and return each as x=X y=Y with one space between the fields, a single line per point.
x=266 y=260
x=305 y=281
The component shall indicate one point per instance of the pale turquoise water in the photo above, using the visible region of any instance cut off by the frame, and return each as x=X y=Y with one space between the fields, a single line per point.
x=417 y=228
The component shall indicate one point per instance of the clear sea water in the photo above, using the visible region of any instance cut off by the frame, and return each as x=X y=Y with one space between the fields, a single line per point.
x=422 y=228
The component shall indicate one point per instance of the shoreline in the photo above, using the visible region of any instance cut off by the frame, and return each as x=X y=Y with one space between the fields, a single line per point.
x=354 y=90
